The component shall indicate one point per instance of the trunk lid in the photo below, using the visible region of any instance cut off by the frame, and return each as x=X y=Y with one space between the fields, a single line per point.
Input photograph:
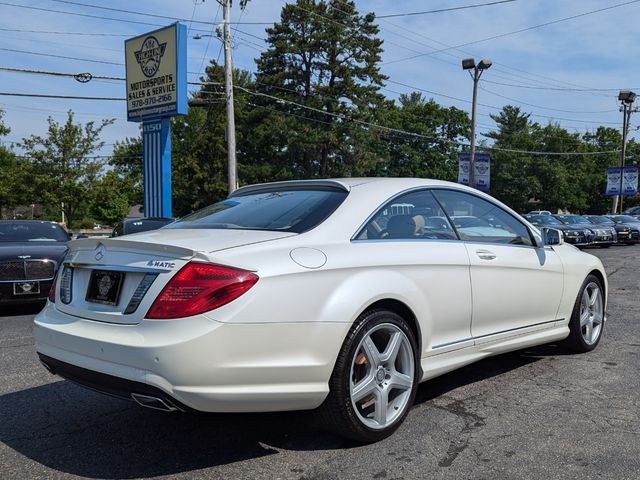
x=138 y=267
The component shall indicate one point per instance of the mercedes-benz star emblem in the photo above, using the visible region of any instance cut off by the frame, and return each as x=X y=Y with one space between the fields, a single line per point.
x=99 y=252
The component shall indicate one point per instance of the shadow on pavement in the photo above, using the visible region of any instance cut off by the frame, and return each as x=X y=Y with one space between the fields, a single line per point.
x=26 y=309
x=77 y=431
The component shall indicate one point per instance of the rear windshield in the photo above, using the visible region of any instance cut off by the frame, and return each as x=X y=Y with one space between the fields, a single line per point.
x=285 y=211
x=31 y=232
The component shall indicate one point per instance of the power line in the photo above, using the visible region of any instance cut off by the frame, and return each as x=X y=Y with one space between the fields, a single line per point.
x=514 y=32
x=77 y=76
x=49 y=32
x=440 y=10
x=545 y=108
x=116 y=10
x=27 y=52
x=67 y=97
x=561 y=89
x=456 y=63
x=402 y=46
x=494 y=107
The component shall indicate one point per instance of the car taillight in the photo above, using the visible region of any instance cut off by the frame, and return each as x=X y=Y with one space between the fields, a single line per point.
x=198 y=288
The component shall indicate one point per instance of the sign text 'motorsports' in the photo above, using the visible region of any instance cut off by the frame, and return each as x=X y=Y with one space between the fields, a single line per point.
x=156 y=73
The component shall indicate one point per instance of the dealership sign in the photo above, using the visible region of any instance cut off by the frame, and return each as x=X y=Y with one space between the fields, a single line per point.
x=156 y=65
x=482 y=170
x=157 y=73
x=629 y=181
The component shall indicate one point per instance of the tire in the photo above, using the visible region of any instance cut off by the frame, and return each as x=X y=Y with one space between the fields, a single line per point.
x=363 y=378
x=587 y=319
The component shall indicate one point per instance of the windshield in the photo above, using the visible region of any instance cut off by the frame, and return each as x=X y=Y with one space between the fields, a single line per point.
x=31 y=232
x=601 y=220
x=625 y=219
x=544 y=220
x=575 y=219
x=286 y=211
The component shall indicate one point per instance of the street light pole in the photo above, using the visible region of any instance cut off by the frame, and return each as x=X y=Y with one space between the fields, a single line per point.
x=627 y=98
x=228 y=88
x=476 y=72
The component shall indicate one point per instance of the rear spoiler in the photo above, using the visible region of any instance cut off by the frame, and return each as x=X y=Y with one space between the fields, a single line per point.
x=291 y=185
x=131 y=246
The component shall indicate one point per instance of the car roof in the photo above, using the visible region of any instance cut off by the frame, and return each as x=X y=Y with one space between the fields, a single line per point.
x=347 y=184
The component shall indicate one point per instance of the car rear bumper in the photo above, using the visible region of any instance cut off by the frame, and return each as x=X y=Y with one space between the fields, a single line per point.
x=7 y=297
x=196 y=363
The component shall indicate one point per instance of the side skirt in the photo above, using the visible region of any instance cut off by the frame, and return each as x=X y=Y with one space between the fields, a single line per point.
x=437 y=363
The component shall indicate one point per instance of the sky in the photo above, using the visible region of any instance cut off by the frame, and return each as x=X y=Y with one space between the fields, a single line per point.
x=567 y=72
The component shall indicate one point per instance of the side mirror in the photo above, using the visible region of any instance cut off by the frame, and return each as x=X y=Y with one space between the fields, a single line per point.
x=82 y=235
x=552 y=236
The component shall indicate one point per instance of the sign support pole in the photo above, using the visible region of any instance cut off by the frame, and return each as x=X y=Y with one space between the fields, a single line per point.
x=157 y=167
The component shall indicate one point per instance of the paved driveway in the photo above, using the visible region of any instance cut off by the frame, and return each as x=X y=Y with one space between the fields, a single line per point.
x=541 y=413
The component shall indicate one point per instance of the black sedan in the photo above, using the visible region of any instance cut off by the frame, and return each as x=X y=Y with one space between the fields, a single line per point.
x=30 y=252
x=137 y=225
x=601 y=235
x=573 y=234
x=628 y=228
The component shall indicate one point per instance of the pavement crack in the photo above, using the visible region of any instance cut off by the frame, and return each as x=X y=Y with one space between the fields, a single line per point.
x=471 y=421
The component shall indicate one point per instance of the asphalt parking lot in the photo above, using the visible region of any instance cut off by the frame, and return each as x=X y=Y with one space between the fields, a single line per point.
x=541 y=413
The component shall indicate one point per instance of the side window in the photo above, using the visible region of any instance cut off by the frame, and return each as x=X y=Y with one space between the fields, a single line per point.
x=414 y=215
x=476 y=219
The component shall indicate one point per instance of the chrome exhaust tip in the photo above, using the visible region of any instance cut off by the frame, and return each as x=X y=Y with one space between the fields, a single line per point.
x=153 y=402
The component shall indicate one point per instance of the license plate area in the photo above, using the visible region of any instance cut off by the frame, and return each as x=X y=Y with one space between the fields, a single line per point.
x=104 y=287
x=26 y=288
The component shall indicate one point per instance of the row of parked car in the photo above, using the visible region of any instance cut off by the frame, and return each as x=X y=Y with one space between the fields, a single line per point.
x=591 y=230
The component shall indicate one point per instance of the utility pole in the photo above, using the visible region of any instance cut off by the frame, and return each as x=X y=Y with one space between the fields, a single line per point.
x=228 y=88
x=476 y=72
x=627 y=98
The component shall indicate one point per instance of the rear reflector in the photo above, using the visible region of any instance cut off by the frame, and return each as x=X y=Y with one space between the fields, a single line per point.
x=52 y=290
x=198 y=288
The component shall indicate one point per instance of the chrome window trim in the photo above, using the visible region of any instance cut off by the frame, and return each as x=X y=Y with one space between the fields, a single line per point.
x=354 y=238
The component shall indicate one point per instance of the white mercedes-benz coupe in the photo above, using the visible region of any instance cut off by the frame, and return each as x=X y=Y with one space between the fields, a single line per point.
x=335 y=295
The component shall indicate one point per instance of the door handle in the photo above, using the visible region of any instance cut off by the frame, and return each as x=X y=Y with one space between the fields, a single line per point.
x=485 y=254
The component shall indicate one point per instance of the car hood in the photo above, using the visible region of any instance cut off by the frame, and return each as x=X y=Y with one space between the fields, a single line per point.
x=32 y=250
x=563 y=227
x=635 y=226
x=198 y=240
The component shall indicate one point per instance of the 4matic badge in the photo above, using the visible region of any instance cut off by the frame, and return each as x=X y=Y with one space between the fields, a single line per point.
x=150 y=55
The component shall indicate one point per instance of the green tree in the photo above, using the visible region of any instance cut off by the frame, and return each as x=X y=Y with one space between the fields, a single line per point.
x=198 y=142
x=511 y=179
x=323 y=55
x=111 y=199
x=65 y=172
x=432 y=152
x=16 y=185
x=127 y=163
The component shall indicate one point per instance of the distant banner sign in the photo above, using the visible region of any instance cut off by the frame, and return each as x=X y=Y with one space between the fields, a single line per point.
x=629 y=181
x=482 y=170
x=157 y=73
